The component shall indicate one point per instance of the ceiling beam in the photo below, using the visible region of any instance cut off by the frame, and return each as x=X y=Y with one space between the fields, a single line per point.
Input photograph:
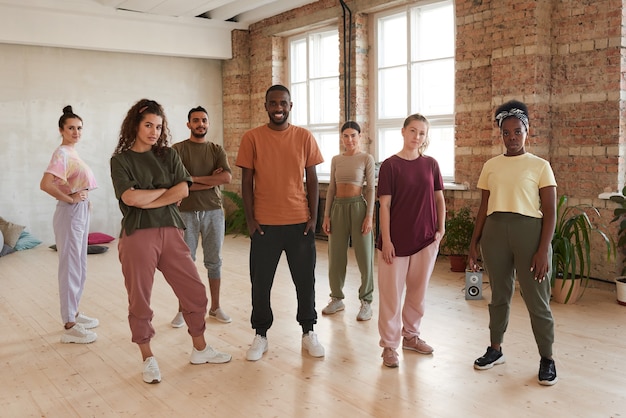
x=116 y=30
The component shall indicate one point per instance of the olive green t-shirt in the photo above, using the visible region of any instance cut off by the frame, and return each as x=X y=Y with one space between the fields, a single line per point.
x=147 y=171
x=202 y=159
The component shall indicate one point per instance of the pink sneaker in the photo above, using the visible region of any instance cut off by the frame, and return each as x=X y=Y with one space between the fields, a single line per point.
x=390 y=357
x=416 y=344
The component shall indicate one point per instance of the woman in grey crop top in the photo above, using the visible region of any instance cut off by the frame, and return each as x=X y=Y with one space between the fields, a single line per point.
x=348 y=216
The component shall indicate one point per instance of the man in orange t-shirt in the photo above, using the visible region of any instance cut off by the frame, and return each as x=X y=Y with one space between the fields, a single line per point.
x=281 y=215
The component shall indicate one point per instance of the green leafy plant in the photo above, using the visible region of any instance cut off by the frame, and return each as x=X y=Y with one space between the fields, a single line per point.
x=459 y=229
x=571 y=244
x=620 y=216
x=236 y=219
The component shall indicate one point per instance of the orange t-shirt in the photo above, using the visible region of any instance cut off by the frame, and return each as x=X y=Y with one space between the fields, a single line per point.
x=279 y=159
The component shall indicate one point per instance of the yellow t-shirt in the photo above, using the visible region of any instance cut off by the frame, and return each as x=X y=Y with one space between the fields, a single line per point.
x=514 y=183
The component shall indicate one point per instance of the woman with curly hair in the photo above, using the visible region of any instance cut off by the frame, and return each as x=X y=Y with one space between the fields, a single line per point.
x=149 y=180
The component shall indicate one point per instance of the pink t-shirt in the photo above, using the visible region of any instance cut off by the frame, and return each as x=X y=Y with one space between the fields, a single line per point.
x=70 y=172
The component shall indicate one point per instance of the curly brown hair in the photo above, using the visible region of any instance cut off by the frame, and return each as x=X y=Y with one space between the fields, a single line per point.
x=130 y=126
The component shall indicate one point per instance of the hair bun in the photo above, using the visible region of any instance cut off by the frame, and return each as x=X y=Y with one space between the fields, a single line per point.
x=68 y=109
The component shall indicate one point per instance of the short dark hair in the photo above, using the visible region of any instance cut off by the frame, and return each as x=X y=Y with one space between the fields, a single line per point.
x=196 y=109
x=351 y=125
x=277 y=87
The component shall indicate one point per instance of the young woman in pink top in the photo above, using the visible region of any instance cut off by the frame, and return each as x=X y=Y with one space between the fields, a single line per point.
x=69 y=180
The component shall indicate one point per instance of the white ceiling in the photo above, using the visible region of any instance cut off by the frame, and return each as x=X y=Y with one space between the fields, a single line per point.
x=186 y=28
x=242 y=11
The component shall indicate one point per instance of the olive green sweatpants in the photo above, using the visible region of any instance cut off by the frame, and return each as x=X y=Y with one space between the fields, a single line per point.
x=508 y=243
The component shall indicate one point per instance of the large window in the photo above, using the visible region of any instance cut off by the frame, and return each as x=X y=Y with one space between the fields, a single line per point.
x=314 y=82
x=415 y=74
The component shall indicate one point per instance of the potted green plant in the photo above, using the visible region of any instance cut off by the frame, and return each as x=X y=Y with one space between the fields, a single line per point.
x=236 y=219
x=571 y=250
x=456 y=242
x=619 y=215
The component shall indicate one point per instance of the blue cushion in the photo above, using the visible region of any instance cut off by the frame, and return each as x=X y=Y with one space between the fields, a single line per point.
x=26 y=241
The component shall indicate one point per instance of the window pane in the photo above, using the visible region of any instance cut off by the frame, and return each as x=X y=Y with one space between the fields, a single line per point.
x=392 y=87
x=441 y=148
x=328 y=142
x=298 y=61
x=324 y=50
x=392 y=40
x=432 y=87
x=434 y=31
x=389 y=142
x=324 y=101
x=300 y=104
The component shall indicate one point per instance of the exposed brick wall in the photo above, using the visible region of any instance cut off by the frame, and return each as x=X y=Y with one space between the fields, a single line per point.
x=564 y=58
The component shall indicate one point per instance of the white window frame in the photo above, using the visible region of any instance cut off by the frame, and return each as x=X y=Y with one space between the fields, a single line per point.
x=442 y=122
x=326 y=132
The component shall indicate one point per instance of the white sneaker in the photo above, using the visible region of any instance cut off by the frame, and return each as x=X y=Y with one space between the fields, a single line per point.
x=178 y=320
x=220 y=315
x=209 y=355
x=151 y=372
x=258 y=347
x=86 y=321
x=365 y=313
x=78 y=335
x=310 y=344
x=335 y=305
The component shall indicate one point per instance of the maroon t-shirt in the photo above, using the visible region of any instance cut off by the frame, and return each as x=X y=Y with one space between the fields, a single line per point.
x=413 y=217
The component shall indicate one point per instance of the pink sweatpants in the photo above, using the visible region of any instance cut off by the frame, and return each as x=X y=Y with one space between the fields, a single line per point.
x=146 y=250
x=396 y=320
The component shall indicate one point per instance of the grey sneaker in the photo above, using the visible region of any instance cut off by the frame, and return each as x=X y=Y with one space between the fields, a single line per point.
x=178 y=320
x=78 y=335
x=86 y=321
x=312 y=345
x=220 y=315
x=209 y=355
x=258 y=347
x=335 y=305
x=365 y=313
x=151 y=372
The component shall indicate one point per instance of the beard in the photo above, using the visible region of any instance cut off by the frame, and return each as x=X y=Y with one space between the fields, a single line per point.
x=199 y=135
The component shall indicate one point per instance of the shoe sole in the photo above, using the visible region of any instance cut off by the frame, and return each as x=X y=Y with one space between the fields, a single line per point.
x=177 y=325
x=213 y=361
x=417 y=351
x=223 y=321
x=333 y=312
x=154 y=381
x=501 y=360
x=365 y=318
x=75 y=340
x=548 y=382
x=390 y=365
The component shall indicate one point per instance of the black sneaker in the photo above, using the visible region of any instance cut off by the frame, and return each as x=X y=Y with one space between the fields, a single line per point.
x=489 y=359
x=547 y=372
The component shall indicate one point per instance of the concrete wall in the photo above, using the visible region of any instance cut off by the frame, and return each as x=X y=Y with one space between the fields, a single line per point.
x=37 y=82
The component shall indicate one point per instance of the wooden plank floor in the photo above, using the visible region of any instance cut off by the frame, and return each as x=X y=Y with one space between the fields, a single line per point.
x=42 y=377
